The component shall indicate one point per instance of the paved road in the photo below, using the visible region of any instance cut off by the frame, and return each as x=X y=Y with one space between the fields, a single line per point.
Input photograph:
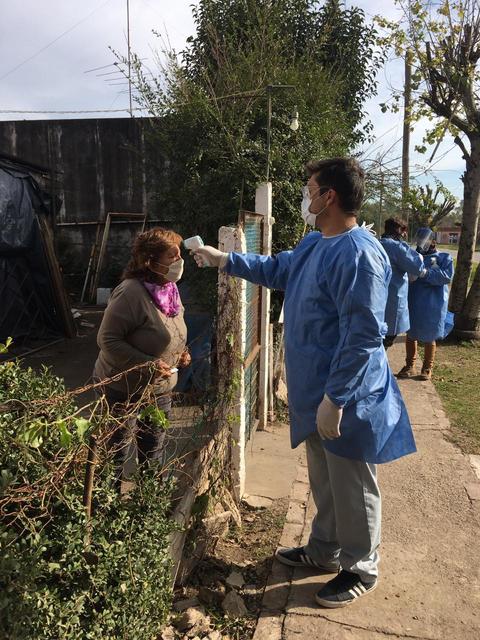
x=453 y=253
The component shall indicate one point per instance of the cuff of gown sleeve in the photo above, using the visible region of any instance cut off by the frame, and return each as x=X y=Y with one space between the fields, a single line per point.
x=423 y=274
x=332 y=402
x=223 y=261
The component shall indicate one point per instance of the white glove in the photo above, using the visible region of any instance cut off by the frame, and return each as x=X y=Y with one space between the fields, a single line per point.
x=412 y=278
x=328 y=419
x=210 y=257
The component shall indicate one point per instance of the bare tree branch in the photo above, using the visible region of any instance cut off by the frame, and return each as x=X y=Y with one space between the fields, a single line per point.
x=459 y=142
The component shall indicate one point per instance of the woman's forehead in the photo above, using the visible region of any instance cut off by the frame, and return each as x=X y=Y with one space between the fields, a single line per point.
x=172 y=251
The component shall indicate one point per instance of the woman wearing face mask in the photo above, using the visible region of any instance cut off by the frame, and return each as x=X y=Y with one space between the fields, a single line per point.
x=143 y=325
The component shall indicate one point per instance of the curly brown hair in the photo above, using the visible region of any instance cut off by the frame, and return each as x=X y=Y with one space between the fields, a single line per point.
x=147 y=245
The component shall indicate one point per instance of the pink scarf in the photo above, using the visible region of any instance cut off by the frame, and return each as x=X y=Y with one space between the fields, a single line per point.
x=165 y=297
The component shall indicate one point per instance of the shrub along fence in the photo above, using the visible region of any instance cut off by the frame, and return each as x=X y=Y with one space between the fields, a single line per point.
x=85 y=553
x=80 y=558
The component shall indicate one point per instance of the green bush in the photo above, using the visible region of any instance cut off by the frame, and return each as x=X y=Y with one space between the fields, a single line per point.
x=209 y=133
x=63 y=576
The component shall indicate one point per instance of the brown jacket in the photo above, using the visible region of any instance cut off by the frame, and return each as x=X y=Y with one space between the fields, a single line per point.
x=135 y=331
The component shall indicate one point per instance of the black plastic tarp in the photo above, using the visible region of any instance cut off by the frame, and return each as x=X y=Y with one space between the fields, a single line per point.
x=27 y=303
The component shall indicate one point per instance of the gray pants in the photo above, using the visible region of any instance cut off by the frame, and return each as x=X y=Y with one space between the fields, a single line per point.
x=346 y=528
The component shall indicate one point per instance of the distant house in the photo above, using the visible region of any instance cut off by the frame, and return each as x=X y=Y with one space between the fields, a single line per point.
x=447 y=235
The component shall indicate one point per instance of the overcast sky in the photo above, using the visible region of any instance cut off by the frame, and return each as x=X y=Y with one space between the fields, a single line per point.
x=47 y=48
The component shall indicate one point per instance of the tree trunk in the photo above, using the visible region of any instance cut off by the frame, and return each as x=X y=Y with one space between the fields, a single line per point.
x=467 y=326
x=466 y=248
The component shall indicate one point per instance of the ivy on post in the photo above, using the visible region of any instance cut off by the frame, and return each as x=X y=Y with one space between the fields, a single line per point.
x=231 y=338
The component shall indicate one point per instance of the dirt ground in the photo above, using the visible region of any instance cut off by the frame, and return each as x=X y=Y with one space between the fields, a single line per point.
x=73 y=359
x=247 y=551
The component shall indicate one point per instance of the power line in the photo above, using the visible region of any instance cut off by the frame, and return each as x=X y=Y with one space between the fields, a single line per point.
x=76 y=111
x=5 y=75
x=240 y=94
x=427 y=169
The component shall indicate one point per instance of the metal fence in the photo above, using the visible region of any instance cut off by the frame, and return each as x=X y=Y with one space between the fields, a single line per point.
x=252 y=225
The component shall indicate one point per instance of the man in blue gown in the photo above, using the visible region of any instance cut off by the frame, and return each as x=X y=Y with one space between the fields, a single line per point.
x=343 y=400
x=430 y=319
x=405 y=263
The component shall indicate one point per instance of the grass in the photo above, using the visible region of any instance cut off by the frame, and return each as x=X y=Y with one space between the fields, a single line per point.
x=456 y=378
x=472 y=272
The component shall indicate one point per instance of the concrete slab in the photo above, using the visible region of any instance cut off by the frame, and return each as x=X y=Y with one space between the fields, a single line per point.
x=473 y=491
x=269 y=626
x=322 y=628
x=271 y=463
x=475 y=462
x=429 y=586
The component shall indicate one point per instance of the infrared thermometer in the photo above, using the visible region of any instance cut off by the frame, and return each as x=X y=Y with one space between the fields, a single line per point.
x=195 y=242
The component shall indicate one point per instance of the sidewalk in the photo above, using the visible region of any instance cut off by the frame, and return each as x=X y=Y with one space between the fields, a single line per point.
x=429 y=586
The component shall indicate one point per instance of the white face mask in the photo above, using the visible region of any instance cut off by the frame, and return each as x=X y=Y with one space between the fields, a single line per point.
x=308 y=217
x=174 y=270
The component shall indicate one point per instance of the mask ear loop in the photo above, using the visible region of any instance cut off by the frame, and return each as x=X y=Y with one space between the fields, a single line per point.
x=158 y=273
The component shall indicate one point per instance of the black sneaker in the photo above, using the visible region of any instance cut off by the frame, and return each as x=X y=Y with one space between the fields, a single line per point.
x=296 y=557
x=343 y=590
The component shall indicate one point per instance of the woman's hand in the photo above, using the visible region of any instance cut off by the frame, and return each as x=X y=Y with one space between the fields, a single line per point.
x=162 y=369
x=184 y=360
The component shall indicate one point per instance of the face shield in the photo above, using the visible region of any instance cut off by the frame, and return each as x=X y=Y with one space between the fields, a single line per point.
x=424 y=238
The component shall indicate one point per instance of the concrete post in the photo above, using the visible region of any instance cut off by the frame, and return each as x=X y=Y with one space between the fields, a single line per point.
x=231 y=340
x=263 y=205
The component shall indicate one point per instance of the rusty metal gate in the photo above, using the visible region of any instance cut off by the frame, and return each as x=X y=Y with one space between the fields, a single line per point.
x=252 y=224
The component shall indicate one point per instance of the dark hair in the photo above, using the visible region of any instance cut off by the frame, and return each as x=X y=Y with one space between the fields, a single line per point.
x=147 y=246
x=395 y=226
x=343 y=175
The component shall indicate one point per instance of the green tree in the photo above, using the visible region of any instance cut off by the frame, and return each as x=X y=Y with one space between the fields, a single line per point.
x=444 y=42
x=210 y=107
x=426 y=208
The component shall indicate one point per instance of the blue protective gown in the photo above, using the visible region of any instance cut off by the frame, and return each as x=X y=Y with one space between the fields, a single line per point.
x=428 y=299
x=403 y=260
x=335 y=295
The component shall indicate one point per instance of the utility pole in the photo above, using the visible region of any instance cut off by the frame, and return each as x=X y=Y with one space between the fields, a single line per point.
x=380 y=203
x=407 y=94
x=129 y=60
